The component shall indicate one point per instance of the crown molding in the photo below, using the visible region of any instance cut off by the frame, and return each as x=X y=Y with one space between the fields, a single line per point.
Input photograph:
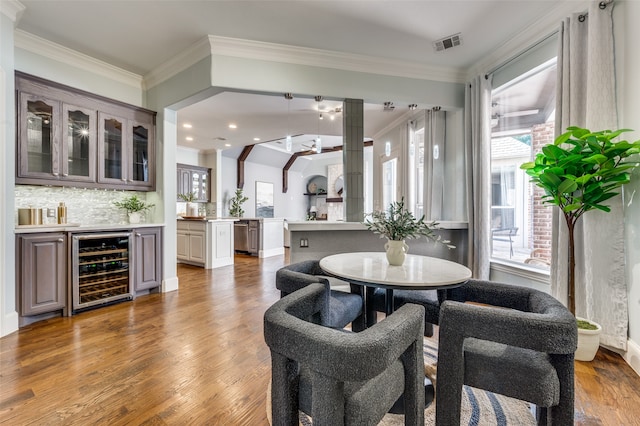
x=250 y=49
x=12 y=9
x=528 y=36
x=188 y=57
x=48 y=49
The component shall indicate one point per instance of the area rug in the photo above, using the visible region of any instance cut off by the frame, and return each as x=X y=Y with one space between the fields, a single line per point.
x=479 y=407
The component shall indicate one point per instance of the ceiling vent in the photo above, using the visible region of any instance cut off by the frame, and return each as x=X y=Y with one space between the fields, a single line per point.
x=447 y=42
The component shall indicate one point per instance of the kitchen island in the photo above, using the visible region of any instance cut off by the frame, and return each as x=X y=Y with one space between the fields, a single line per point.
x=205 y=242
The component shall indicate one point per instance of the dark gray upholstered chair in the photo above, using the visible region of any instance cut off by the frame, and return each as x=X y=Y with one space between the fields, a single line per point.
x=525 y=352
x=340 y=377
x=426 y=298
x=340 y=309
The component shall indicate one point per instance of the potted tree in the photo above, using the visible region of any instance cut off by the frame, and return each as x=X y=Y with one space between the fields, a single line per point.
x=398 y=224
x=579 y=172
x=134 y=207
x=235 y=208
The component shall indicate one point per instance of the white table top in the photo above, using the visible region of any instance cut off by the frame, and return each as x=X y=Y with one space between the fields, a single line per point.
x=417 y=272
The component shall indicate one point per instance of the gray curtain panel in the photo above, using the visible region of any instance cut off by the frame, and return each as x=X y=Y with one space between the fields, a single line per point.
x=477 y=142
x=587 y=98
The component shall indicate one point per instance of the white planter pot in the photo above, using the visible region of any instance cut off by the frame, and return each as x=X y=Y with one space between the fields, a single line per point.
x=135 y=217
x=588 y=343
x=192 y=209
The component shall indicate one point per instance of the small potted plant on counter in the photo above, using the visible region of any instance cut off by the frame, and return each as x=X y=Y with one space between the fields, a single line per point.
x=192 y=206
x=398 y=224
x=134 y=206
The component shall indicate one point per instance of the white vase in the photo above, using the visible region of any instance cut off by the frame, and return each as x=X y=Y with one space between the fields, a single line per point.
x=192 y=209
x=396 y=252
x=588 y=343
x=135 y=217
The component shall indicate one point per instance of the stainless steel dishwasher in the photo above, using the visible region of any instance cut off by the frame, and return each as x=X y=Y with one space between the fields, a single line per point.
x=241 y=236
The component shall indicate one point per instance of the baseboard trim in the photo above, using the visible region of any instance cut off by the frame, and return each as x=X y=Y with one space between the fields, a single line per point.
x=271 y=252
x=170 y=284
x=10 y=323
x=632 y=356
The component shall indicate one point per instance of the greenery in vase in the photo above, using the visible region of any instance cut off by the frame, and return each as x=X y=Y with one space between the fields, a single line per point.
x=235 y=208
x=133 y=204
x=397 y=224
x=579 y=172
x=189 y=198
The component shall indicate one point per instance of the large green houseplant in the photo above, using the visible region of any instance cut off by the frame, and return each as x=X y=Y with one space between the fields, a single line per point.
x=398 y=224
x=579 y=172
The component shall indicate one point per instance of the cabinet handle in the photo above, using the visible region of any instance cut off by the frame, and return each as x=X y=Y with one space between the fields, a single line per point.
x=61 y=240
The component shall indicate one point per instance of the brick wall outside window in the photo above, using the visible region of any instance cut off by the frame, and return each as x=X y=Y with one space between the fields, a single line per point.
x=542 y=134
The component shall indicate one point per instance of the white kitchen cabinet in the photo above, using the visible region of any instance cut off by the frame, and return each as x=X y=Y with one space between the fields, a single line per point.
x=207 y=243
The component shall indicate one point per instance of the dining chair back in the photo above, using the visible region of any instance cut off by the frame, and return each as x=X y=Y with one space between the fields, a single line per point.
x=340 y=377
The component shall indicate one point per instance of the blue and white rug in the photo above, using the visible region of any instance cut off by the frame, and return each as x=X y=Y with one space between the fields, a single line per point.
x=478 y=408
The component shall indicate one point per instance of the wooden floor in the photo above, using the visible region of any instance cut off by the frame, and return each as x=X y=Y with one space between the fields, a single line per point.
x=196 y=356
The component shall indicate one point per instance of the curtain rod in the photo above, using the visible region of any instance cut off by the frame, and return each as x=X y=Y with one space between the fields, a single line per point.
x=524 y=52
x=602 y=5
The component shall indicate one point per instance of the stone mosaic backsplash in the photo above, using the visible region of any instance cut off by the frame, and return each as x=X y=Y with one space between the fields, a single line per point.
x=84 y=206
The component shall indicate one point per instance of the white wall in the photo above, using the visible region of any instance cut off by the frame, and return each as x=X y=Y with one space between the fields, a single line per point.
x=290 y=205
x=627 y=33
x=8 y=313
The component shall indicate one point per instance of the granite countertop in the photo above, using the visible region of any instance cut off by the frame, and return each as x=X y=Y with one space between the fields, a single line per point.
x=76 y=227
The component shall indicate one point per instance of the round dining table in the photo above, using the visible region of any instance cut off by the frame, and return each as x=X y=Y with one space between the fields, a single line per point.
x=371 y=269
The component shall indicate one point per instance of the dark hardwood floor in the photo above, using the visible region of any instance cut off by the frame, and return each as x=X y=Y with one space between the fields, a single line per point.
x=196 y=356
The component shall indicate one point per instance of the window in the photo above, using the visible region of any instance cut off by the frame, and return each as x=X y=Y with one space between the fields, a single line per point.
x=522 y=121
x=416 y=163
x=389 y=182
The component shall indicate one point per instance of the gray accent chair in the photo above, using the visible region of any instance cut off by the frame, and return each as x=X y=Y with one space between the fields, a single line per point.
x=340 y=377
x=340 y=308
x=524 y=352
x=427 y=298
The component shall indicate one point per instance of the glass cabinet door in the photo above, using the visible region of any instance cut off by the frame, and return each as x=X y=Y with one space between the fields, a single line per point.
x=79 y=147
x=39 y=137
x=204 y=187
x=112 y=146
x=195 y=184
x=141 y=155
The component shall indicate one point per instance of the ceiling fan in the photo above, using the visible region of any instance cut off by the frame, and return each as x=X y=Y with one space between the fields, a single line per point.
x=311 y=149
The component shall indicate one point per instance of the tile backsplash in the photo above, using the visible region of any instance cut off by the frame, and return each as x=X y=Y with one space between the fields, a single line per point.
x=84 y=206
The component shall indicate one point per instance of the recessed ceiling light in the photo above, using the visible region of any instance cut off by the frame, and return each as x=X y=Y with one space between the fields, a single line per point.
x=227 y=144
x=256 y=139
x=233 y=126
x=189 y=138
x=187 y=125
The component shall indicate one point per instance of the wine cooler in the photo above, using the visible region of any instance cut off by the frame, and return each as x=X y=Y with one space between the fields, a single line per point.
x=101 y=265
